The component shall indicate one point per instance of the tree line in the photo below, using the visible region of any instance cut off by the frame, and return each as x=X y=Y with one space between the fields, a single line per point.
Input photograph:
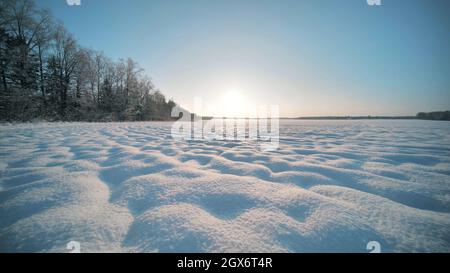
x=438 y=115
x=46 y=75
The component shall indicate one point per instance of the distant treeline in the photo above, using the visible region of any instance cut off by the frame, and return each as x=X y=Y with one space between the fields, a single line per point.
x=427 y=116
x=355 y=117
x=443 y=115
x=46 y=75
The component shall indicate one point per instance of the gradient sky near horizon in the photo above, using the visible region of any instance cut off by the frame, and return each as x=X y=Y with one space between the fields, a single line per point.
x=310 y=57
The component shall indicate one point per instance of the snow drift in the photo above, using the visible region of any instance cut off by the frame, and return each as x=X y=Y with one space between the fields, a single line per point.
x=332 y=186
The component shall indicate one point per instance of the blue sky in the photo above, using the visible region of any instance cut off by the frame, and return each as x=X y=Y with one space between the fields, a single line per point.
x=310 y=57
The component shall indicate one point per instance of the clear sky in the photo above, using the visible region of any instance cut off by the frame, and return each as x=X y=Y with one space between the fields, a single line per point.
x=310 y=57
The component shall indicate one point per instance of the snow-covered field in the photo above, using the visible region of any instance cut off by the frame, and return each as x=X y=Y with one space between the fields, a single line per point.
x=129 y=187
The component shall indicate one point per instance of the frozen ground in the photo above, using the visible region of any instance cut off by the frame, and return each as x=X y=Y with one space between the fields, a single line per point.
x=332 y=186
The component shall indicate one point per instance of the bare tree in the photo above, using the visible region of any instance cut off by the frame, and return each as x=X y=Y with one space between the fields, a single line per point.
x=66 y=57
x=44 y=73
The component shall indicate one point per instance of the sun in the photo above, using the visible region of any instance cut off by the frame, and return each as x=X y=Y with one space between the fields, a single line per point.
x=232 y=103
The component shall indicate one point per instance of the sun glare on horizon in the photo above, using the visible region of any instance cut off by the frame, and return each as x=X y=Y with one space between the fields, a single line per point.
x=232 y=103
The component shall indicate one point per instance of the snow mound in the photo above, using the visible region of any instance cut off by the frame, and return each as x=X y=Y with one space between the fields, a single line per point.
x=332 y=186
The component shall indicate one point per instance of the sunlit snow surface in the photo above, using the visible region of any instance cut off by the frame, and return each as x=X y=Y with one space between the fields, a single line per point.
x=129 y=187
